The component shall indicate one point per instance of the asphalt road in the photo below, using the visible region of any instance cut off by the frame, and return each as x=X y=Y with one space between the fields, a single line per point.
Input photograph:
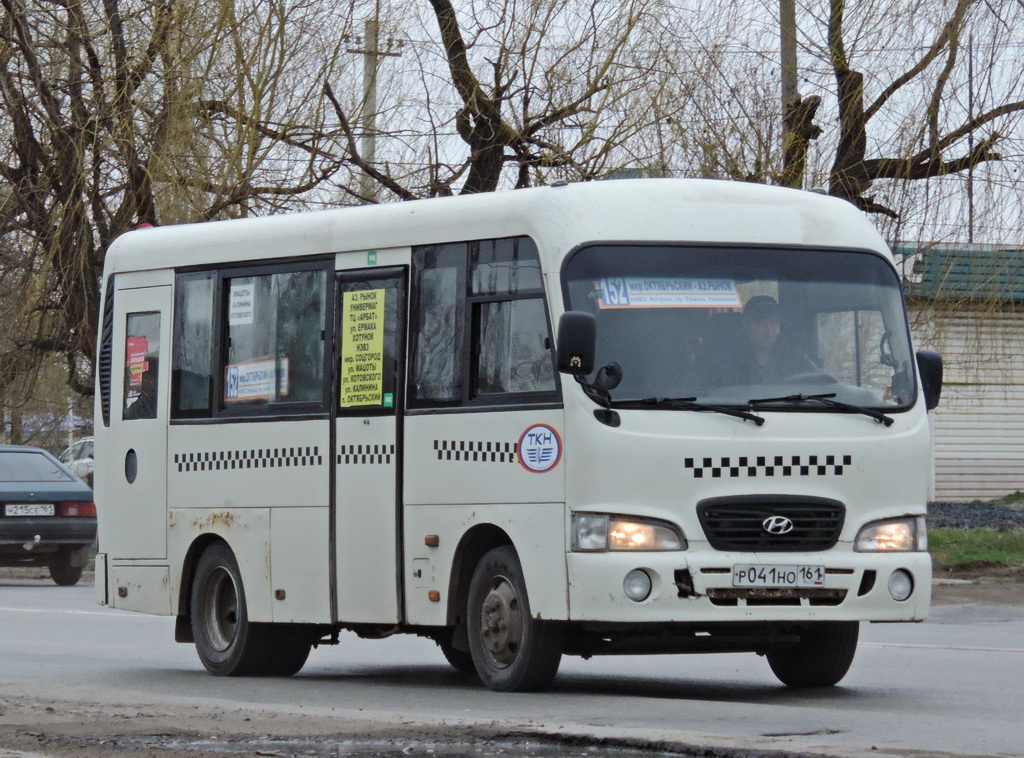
x=951 y=686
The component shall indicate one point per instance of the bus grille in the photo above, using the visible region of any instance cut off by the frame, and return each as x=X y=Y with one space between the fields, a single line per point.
x=739 y=523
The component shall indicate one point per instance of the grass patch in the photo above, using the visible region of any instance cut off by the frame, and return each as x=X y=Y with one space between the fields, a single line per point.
x=1013 y=500
x=959 y=548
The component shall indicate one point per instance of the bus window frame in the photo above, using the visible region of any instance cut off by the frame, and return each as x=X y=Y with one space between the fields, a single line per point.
x=468 y=352
x=220 y=412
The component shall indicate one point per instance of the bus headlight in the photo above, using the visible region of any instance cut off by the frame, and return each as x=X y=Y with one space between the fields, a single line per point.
x=893 y=535
x=594 y=532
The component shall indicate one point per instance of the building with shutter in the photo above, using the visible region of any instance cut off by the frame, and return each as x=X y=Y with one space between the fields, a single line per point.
x=967 y=302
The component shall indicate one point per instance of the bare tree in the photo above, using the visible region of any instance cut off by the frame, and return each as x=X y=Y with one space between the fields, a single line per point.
x=144 y=113
x=164 y=112
x=905 y=66
x=942 y=134
x=892 y=93
x=526 y=88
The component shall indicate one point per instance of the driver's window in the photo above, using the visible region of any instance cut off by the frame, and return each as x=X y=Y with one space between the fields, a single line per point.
x=853 y=349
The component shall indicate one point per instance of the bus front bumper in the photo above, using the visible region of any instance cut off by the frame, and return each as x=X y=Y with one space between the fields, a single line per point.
x=699 y=586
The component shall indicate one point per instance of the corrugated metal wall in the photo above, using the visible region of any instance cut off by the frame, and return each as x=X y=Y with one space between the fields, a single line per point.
x=979 y=425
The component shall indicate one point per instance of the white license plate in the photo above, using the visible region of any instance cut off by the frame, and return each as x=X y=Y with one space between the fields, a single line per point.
x=763 y=575
x=29 y=509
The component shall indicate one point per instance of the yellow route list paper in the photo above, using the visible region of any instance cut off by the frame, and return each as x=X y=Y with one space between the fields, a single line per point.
x=362 y=348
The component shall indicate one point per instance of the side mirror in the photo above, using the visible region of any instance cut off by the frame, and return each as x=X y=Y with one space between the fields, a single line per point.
x=608 y=377
x=929 y=364
x=577 y=343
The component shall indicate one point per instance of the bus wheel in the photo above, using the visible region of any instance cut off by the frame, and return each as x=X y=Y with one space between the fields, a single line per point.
x=62 y=572
x=460 y=660
x=511 y=650
x=290 y=650
x=227 y=643
x=821 y=658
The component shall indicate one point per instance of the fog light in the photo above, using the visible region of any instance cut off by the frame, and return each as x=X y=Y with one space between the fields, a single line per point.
x=637 y=585
x=901 y=585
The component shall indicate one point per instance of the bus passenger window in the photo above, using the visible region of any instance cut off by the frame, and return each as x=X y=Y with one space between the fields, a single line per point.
x=510 y=326
x=438 y=341
x=504 y=266
x=480 y=324
x=512 y=354
x=275 y=339
x=192 y=376
x=141 y=366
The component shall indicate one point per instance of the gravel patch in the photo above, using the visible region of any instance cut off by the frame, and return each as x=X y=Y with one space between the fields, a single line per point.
x=968 y=515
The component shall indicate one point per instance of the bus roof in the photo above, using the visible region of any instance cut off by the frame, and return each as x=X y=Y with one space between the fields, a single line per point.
x=558 y=218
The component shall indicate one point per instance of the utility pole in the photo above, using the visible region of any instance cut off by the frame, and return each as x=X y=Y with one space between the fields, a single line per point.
x=371 y=53
x=787 y=35
x=970 y=138
x=791 y=177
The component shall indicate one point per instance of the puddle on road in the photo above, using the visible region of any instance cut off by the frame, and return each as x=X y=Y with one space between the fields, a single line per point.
x=321 y=748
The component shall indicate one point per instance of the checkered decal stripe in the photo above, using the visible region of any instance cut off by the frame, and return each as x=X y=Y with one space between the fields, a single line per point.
x=768 y=465
x=371 y=454
x=229 y=460
x=487 y=452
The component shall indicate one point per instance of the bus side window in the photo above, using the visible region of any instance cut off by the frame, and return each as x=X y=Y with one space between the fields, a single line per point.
x=142 y=356
x=480 y=324
x=192 y=376
x=438 y=323
x=275 y=347
x=510 y=327
x=512 y=356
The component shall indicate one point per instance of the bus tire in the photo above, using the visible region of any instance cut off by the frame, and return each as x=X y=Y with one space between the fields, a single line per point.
x=821 y=658
x=62 y=572
x=227 y=643
x=291 y=648
x=511 y=650
x=460 y=660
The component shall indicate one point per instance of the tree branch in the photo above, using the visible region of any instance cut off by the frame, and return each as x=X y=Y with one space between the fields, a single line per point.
x=952 y=27
x=357 y=159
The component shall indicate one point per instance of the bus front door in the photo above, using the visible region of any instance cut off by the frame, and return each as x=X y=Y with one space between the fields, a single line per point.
x=367 y=524
x=134 y=468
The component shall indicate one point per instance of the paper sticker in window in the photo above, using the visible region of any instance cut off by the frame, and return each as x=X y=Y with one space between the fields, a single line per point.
x=255 y=380
x=666 y=292
x=241 y=309
x=362 y=348
x=137 y=348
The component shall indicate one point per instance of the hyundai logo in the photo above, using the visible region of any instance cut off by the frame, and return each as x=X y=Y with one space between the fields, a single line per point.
x=777 y=525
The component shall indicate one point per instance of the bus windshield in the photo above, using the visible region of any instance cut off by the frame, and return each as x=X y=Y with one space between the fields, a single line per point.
x=724 y=325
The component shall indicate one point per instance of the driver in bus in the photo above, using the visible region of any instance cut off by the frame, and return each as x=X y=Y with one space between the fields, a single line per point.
x=756 y=355
x=767 y=360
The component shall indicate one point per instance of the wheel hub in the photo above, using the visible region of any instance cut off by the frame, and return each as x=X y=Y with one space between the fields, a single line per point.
x=501 y=622
x=221 y=610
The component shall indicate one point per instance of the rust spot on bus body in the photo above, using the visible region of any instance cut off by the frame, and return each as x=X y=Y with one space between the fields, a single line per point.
x=223 y=519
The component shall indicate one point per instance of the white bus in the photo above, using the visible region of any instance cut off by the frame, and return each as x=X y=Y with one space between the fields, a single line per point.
x=649 y=416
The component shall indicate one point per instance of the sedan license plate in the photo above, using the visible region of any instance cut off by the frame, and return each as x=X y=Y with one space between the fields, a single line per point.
x=29 y=509
x=758 y=575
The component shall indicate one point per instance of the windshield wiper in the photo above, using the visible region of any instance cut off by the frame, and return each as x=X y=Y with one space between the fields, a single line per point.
x=691 y=404
x=825 y=399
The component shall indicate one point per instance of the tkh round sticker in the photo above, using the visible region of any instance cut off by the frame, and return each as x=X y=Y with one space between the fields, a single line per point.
x=540 y=448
